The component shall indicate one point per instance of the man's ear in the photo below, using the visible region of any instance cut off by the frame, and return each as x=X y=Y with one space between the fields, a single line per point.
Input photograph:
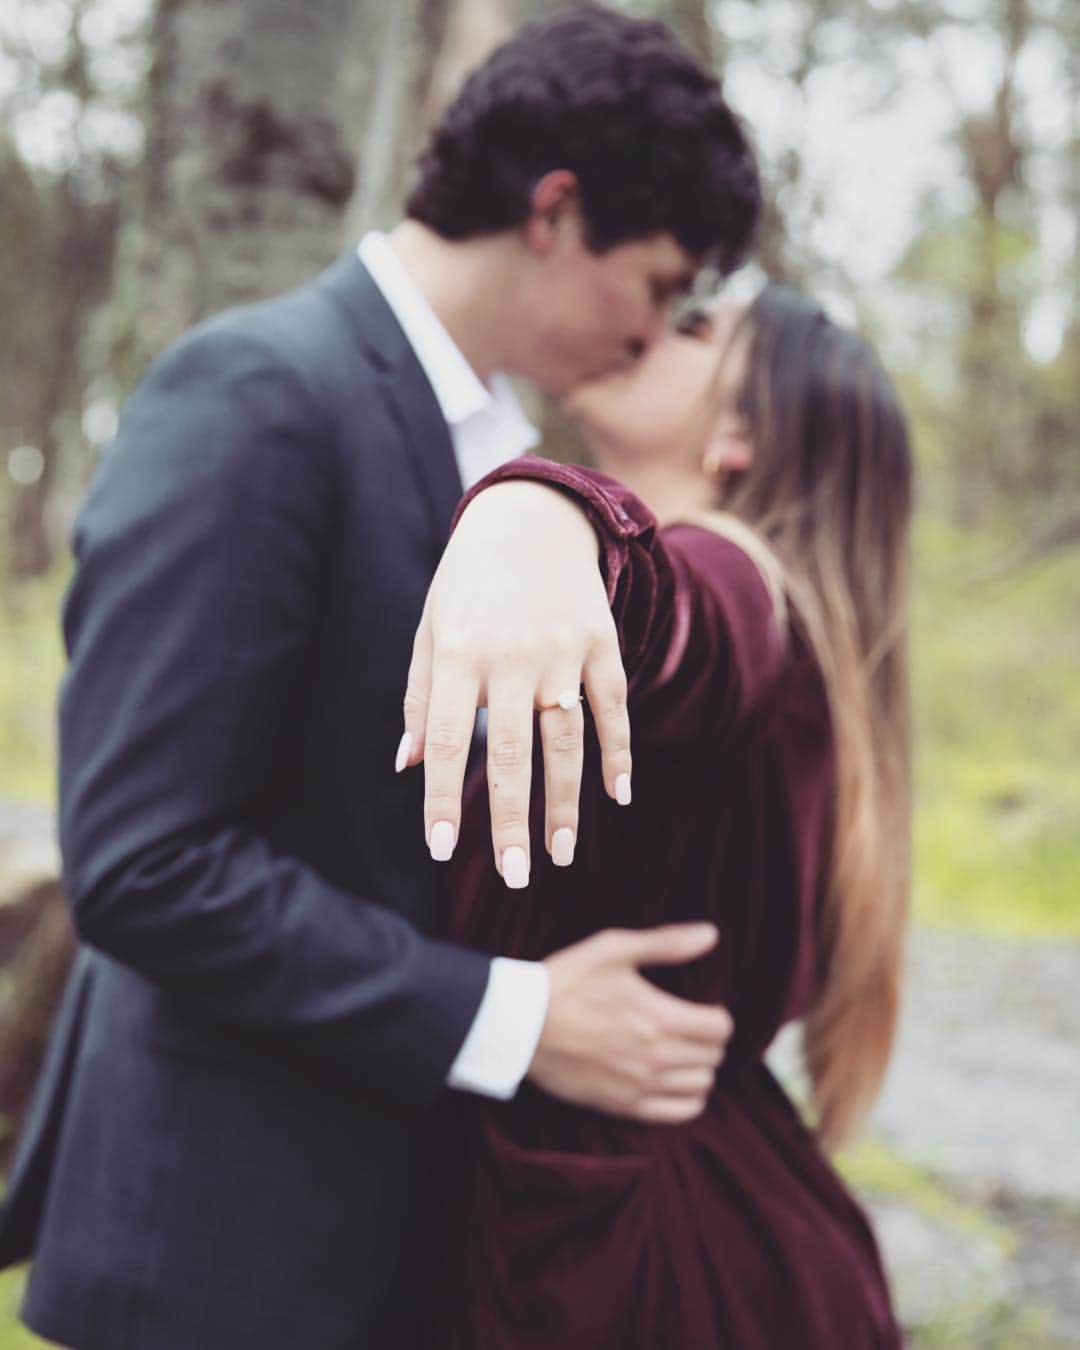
x=555 y=203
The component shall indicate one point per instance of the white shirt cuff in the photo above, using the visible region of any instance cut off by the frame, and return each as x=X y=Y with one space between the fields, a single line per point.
x=502 y=1040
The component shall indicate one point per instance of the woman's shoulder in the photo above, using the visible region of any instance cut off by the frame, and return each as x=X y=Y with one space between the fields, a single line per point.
x=735 y=570
x=729 y=641
x=736 y=564
x=769 y=641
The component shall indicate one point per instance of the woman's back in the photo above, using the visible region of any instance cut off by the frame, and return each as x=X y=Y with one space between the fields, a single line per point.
x=731 y=820
x=731 y=1230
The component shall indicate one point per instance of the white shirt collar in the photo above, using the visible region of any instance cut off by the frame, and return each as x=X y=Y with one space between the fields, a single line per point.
x=487 y=424
x=458 y=389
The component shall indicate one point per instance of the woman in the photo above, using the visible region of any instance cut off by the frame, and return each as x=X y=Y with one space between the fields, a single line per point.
x=763 y=632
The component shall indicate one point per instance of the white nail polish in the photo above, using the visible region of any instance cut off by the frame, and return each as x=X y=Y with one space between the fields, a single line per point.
x=562 y=847
x=443 y=840
x=622 y=789
x=402 y=756
x=515 y=868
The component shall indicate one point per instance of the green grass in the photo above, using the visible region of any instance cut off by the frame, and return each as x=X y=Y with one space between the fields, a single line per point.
x=877 y=1169
x=13 y=1335
x=997 y=707
x=31 y=662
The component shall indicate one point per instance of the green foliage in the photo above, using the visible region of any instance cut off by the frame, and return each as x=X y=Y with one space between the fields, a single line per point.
x=954 y=255
x=978 y=396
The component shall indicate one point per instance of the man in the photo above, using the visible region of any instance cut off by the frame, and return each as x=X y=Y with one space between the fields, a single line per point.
x=224 y=1148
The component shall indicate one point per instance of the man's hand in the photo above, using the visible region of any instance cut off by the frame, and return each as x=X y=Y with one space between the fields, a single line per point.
x=516 y=616
x=614 y=1042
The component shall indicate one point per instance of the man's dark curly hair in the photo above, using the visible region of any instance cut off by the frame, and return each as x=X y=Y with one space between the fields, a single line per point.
x=621 y=104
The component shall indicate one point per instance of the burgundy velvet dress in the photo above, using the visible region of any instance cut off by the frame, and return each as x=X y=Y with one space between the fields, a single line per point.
x=559 y=1228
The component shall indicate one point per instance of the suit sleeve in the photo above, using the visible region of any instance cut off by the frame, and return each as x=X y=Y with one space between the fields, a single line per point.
x=701 y=642
x=201 y=551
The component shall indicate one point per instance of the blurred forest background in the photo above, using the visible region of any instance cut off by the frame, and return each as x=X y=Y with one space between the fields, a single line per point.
x=161 y=161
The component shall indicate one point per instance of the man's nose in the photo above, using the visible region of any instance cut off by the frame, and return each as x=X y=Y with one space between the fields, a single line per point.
x=650 y=330
x=636 y=348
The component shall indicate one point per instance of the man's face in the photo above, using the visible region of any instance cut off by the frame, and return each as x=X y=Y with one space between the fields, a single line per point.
x=596 y=313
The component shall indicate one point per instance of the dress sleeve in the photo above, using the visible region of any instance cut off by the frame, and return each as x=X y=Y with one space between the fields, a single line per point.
x=701 y=641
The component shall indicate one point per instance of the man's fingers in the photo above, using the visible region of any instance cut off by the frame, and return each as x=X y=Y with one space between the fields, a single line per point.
x=605 y=687
x=509 y=771
x=663 y=1110
x=562 y=734
x=417 y=697
x=447 y=737
x=614 y=1042
x=670 y=944
x=692 y=1053
x=686 y=1082
x=685 y=1020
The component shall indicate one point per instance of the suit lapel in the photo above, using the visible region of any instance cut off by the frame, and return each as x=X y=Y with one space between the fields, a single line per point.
x=406 y=391
x=429 y=447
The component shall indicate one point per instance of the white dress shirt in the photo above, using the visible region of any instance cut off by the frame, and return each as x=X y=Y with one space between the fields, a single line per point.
x=487 y=428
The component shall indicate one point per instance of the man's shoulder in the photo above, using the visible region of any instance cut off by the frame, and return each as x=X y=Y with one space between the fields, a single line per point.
x=302 y=336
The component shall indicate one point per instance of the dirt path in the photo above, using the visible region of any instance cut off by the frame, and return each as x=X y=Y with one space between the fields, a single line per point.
x=27 y=847
x=985 y=1092
x=18 y=822
x=985 y=1085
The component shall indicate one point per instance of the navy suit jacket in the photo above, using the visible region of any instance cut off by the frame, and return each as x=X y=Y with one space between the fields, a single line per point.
x=227 y=1136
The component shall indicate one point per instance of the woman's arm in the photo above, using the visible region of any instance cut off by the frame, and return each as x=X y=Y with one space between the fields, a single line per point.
x=698 y=630
x=673 y=636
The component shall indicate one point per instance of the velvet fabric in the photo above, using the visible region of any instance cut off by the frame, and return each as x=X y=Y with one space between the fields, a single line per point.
x=555 y=1228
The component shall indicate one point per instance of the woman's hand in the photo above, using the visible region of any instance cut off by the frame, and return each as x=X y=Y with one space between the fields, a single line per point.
x=517 y=615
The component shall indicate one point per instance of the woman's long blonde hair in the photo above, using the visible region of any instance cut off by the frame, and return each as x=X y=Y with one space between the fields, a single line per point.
x=827 y=502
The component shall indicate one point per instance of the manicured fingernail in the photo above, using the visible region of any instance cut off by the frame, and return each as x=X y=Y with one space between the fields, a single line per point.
x=622 y=789
x=443 y=840
x=562 y=847
x=515 y=868
x=402 y=756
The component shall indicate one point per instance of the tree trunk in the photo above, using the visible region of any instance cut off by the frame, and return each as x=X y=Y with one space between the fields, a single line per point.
x=78 y=271
x=694 y=22
x=429 y=47
x=474 y=29
x=398 y=97
x=254 y=126
x=990 y=461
